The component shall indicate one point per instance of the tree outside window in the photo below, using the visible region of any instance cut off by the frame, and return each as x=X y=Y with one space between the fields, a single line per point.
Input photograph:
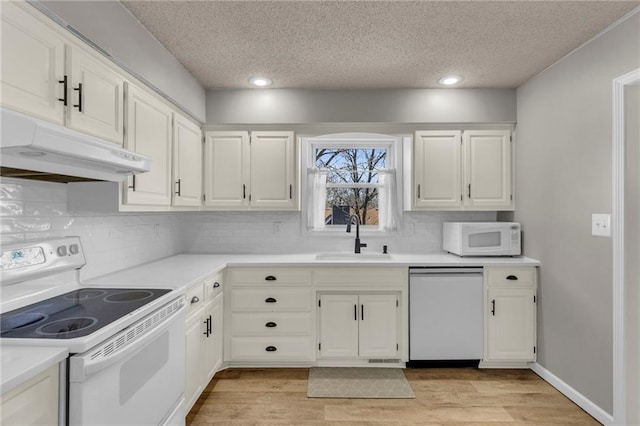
x=352 y=182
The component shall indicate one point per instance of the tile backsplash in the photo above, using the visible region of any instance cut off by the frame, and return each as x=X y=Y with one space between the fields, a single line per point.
x=33 y=210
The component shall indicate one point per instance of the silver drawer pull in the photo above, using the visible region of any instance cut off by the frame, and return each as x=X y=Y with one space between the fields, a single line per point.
x=195 y=299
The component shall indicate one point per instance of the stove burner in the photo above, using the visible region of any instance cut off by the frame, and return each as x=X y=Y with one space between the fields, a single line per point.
x=84 y=294
x=22 y=320
x=66 y=325
x=128 y=296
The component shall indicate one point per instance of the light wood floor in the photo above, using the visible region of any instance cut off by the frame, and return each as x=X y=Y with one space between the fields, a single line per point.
x=444 y=397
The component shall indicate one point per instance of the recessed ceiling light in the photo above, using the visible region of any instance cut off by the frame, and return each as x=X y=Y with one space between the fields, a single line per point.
x=450 y=80
x=260 y=81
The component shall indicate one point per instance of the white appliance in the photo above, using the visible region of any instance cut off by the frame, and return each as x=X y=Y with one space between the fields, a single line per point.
x=126 y=345
x=30 y=144
x=481 y=238
x=445 y=314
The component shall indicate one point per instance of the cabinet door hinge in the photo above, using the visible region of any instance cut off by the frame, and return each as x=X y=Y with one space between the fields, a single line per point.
x=204 y=197
x=397 y=347
x=397 y=303
x=510 y=138
x=511 y=197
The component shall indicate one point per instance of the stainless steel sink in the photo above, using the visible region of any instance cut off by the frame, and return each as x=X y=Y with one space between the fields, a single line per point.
x=351 y=257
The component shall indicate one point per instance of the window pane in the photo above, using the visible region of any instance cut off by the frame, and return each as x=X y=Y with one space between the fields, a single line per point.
x=344 y=202
x=352 y=164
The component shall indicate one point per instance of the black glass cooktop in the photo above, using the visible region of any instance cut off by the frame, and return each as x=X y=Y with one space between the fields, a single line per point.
x=75 y=314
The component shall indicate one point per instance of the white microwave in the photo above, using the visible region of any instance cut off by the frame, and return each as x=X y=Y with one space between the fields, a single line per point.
x=481 y=238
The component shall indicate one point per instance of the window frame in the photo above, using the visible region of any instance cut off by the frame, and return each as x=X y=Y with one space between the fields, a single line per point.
x=392 y=143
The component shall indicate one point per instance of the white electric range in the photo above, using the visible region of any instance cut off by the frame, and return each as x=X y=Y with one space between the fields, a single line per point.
x=126 y=345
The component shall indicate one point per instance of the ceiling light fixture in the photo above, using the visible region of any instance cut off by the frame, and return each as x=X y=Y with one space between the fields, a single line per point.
x=450 y=80
x=260 y=81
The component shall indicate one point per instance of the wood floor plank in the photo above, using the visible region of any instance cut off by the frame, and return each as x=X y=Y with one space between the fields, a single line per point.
x=444 y=397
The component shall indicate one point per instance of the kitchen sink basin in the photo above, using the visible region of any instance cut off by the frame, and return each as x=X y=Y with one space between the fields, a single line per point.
x=350 y=257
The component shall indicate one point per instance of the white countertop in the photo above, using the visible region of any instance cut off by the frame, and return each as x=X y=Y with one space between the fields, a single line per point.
x=183 y=270
x=20 y=363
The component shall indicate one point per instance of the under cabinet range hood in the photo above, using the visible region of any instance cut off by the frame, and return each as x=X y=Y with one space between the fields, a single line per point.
x=35 y=149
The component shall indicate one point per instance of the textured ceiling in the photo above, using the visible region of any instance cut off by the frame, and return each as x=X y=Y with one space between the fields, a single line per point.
x=372 y=44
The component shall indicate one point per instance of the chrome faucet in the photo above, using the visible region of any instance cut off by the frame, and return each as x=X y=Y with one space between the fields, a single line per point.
x=358 y=243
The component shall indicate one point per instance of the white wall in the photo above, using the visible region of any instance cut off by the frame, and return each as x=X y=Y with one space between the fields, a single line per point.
x=109 y=25
x=563 y=175
x=361 y=106
x=34 y=210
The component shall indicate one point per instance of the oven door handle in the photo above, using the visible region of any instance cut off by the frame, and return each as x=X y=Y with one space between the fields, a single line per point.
x=84 y=365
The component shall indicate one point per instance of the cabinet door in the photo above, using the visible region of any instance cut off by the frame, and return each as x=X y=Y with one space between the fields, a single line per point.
x=510 y=324
x=378 y=325
x=213 y=342
x=436 y=169
x=96 y=96
x=32 y=64
x=487 y=168
x=194 y=358
x=149 y=133
x=272 y=171
x=226 y=170
x=338 y=325
x=187 y=162
x=34 y=402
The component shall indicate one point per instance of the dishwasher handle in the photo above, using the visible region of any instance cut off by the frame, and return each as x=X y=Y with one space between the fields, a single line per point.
x=432 y=271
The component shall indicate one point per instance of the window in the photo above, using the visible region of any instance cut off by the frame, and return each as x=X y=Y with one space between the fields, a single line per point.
x=353 y=179
x=352 y=174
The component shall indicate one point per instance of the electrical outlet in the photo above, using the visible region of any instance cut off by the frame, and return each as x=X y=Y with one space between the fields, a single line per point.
x=601 y=225
x=276 y=228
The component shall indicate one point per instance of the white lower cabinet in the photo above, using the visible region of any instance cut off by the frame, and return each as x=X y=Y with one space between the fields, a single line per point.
x=34 y=402
x=358 y=325
x=270 y=316
x=204 y=336
x=510 y=316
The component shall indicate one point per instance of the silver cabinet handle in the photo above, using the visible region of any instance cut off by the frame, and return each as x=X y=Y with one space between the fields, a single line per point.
x=195 y=299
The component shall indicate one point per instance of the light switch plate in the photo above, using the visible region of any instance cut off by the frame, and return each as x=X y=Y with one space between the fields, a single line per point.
x=601 y=225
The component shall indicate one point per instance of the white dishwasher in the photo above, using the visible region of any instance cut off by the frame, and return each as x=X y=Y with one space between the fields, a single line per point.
x=445 y=314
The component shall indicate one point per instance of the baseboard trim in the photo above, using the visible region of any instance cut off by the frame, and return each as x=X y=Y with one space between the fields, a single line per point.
x=582 y=401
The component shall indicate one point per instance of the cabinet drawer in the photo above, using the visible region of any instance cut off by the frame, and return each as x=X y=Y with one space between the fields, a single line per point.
x=361 y=277
x=213 y=287
x=525 y=276
x=271 y=324
x=276 y=348
x=269 y=276
x=271 y=299
x=195 y=298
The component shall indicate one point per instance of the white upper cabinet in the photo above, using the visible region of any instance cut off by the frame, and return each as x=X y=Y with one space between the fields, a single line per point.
x=437 y=169
x=149 y=133
x=487 y=167
x=96 y=96
x=32 y=64
x=250 y=171
x=462 y=170
x=272 y=170
x=226 y=171
x=187 y=162
x=50 y=75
